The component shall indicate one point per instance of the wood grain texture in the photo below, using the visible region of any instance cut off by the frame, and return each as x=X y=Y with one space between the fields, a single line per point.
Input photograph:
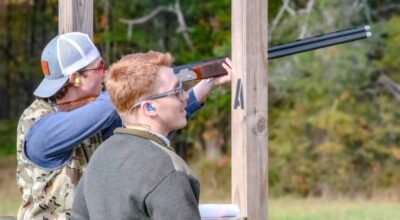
x=249 y=108
x=75 y=15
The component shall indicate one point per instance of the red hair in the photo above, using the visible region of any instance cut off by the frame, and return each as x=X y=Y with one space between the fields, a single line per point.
x=133 y=77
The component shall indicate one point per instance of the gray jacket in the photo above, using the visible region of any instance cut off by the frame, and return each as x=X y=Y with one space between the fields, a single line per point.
x=135 y=175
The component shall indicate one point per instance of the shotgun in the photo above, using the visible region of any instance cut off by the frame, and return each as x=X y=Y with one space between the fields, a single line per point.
x=213 y=68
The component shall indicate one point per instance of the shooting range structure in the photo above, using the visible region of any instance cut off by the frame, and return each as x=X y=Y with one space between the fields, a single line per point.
x=249 y=86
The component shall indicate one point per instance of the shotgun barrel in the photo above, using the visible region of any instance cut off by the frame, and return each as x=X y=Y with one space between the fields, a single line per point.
x=321 y=37
x=213 y=68
x=303 y=47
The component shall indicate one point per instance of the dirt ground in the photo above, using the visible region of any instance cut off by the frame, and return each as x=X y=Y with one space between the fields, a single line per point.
x=9 y=193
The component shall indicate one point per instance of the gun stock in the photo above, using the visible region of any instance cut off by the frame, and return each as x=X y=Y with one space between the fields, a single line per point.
x=213 y=68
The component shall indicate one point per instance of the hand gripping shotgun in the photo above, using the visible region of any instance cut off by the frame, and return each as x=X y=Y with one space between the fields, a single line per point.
x=213 y=68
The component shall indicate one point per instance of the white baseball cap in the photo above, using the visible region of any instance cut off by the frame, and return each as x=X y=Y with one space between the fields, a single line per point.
x=63 y=55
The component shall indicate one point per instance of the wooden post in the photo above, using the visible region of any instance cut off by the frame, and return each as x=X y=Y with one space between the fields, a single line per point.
x=249 y=108
x=75 y=15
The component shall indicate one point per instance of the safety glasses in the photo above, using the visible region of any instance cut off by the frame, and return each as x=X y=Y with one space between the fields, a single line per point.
x=178 y=90
x=102 y=68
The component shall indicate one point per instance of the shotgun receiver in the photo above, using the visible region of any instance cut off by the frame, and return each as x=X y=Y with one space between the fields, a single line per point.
x=213 y=68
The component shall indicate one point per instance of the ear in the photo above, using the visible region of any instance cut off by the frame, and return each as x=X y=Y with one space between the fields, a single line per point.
x=149 y=109
x=75 y=79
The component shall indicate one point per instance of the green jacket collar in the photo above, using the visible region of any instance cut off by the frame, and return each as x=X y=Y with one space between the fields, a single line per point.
x=143 y=134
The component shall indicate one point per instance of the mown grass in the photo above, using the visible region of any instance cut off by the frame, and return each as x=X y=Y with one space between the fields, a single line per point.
x=215 y=188
x=215 y=182
x=300 y=209
x=8 y=208
x=214 y=191
x=336 y=209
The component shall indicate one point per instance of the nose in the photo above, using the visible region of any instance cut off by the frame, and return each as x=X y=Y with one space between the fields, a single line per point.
x=103 y=68
x=102 y=71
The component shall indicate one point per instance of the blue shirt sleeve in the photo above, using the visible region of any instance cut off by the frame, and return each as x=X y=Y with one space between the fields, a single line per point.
x=192 y=105
x=50 y=141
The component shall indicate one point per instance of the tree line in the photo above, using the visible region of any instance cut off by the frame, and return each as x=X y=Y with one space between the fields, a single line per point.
x=333 y=124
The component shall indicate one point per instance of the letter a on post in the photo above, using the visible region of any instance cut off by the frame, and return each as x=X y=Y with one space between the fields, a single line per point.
x=239 y=95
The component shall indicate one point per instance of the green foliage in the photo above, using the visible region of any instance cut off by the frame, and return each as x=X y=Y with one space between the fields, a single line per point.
x=389 y=50
x=333 y=128
x=24 y=30
x=211 y=124
x=8 y=131
x=213 y=176
x=208 y=27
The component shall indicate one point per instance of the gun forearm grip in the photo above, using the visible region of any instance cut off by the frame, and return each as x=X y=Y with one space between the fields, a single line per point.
x=210 y=69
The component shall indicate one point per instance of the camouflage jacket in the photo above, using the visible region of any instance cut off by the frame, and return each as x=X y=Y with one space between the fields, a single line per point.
x=48 y=194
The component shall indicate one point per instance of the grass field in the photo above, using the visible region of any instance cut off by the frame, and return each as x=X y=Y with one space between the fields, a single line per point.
x=338 y=209
x=287 y=208
x=302 y=209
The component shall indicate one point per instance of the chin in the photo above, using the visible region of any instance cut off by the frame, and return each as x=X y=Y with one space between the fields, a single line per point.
x=181 y=124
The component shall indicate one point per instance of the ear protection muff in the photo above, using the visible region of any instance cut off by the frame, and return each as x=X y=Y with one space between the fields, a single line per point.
x=77 y=81
x=149 y=107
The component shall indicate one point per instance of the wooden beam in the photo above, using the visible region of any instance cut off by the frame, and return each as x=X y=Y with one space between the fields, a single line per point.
x=249 y=108
x=75 y=15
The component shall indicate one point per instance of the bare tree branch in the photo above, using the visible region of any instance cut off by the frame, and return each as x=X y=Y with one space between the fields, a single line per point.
x=386 y=8
x=285 y=7
x=367 y=11
x=391 y=85
x=309 y=8
x=356 y=5
x=144 y=19
x=289 y=9
x=182 y=26
x=176 y=9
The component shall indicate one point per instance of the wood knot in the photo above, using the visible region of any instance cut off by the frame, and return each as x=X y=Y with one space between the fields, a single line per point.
x=261 y=125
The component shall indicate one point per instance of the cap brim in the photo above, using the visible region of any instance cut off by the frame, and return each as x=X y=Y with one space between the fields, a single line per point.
x=49 y=87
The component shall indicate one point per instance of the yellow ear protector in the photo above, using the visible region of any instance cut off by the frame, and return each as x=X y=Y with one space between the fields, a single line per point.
x=77 y=81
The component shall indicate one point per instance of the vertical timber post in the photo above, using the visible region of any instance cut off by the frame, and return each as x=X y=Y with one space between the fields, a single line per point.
x=250 y=108
x=75 y=15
